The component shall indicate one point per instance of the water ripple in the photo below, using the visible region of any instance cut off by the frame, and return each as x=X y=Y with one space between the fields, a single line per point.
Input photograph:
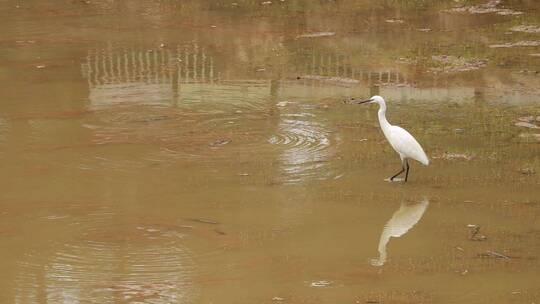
x=107 y=272
x=104 y=262
x=306 y=148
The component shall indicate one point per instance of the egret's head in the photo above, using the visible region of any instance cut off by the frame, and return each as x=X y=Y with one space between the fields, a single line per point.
x=374 y=99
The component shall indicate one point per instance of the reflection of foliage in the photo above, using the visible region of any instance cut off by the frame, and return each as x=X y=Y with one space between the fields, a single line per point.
x=277 y=7
x=526 y=29
x=281 y=38
x=453 y=64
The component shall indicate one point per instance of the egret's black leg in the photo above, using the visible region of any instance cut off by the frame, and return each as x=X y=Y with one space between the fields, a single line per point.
x=402 y=169
x=407 y=173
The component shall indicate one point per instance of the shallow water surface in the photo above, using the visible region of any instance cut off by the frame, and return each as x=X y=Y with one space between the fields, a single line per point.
x=205 y=152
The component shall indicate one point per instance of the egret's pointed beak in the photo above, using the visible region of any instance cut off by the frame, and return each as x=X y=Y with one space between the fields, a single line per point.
x=364 y=101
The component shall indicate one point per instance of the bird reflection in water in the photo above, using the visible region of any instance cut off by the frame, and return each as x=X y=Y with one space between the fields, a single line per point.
x=402 y=221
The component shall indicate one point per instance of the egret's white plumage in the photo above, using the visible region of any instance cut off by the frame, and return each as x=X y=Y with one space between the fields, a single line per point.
x=401 y=140
x=405 y=144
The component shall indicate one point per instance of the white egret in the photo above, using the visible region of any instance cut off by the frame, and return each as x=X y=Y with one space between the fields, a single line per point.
x=401 y=140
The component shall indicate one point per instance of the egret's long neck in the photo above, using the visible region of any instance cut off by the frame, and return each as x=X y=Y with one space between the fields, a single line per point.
x=385 y=125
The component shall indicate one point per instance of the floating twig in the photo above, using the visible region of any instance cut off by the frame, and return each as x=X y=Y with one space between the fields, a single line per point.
x=204 y=221
x=474 y=233
x=493 y=254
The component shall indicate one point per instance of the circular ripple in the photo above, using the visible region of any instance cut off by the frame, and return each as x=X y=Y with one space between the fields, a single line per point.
x=108 y=272
x=135 y=137
x=306 y=146
x=104 y=261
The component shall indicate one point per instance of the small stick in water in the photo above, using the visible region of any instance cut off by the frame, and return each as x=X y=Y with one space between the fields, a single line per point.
x=474 y=233
x=498 y=255
x=203 y=221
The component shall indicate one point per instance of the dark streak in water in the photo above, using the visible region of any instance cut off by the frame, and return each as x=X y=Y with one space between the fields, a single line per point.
x=204 y=221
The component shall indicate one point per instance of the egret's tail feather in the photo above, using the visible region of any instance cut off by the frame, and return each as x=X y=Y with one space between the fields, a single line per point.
x=424 y=160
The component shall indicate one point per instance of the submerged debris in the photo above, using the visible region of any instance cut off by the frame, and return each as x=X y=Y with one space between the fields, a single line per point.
x=399 y=21
x=339 y=176
x=204 y=221
x=283 y=103
x=337 y=80
x=526 y=29
x=528 y=136
x=316 y=35
x=493 y=254
x=220 y=142
x=486 y=8
x=320 y=283
x=475 y=235
x=526 y=125
x=524 y=43
x=529 y=118
x=455 y=156
x=527 y=171
x=453 y=64
x=220 y=232
x=407 y=61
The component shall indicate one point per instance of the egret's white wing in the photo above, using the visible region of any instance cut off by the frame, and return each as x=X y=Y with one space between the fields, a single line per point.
x=404 y=143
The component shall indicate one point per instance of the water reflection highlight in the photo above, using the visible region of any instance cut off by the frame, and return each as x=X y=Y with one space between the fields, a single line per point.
x=401 y=222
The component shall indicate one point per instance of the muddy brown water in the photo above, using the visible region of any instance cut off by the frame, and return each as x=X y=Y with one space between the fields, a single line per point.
x=201 y=152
